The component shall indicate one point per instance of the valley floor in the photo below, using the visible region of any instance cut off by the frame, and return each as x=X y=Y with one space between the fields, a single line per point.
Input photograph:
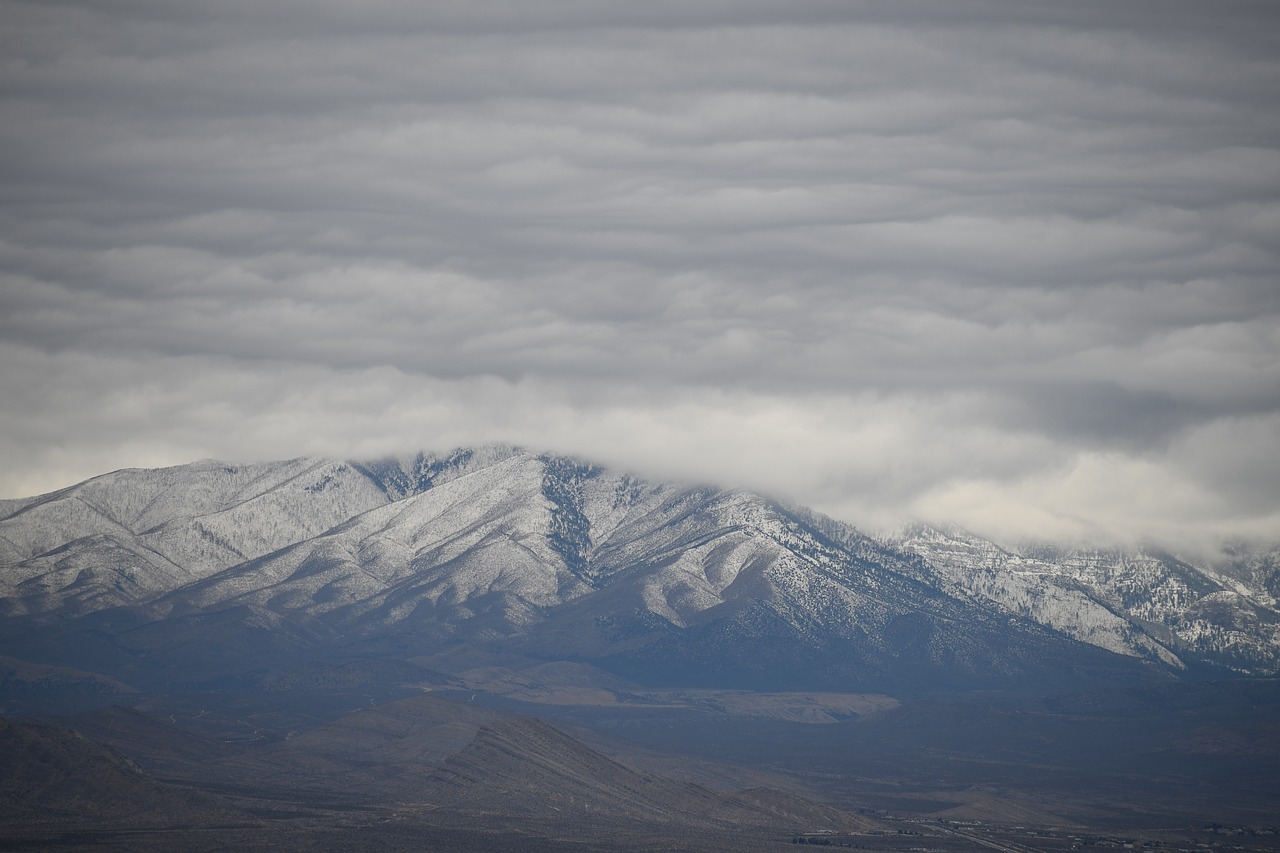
x=1183 y=768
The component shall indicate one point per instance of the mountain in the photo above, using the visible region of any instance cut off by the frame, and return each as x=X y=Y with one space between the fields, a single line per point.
x=536 y=770
x=430 y=761
x=1145 y=603
x=498 y=649
x=207 y=572
x=54 y=776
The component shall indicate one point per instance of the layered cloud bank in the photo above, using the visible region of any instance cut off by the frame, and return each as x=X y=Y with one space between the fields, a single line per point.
x=1012 y=266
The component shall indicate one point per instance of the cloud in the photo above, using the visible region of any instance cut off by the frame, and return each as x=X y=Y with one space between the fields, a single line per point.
x=942 y=259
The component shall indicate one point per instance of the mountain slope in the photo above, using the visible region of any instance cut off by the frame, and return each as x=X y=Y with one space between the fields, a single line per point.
x=456 y=764
x=123 y=538
x=535 y=770
x=1144 y=603
x=660 y=582
x=212 y=571
x=55 y=776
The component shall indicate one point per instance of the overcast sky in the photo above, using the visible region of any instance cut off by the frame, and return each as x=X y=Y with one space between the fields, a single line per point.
x=1014 y=265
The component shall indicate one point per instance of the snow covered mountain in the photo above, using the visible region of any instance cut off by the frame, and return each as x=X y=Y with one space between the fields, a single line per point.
x=1144 y=603
x=208 y=569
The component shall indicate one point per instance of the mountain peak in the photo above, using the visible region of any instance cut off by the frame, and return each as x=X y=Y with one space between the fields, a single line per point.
x=561 y=558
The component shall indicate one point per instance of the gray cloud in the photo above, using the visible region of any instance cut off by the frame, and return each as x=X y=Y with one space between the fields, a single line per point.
x=1014 y=266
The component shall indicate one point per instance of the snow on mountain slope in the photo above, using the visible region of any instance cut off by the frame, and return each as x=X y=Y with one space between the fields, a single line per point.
x=556 y=557
x=1252 y=571
x=125 y=537
x=93 y=573
x=508 y=540
x=137 y=502
x=480 y=534
x=1144 y=603
x=710 y=583
x=1200 y=616
x=974 y=567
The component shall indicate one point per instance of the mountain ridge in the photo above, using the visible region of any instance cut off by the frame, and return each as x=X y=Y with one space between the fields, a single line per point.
x=558 y=558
